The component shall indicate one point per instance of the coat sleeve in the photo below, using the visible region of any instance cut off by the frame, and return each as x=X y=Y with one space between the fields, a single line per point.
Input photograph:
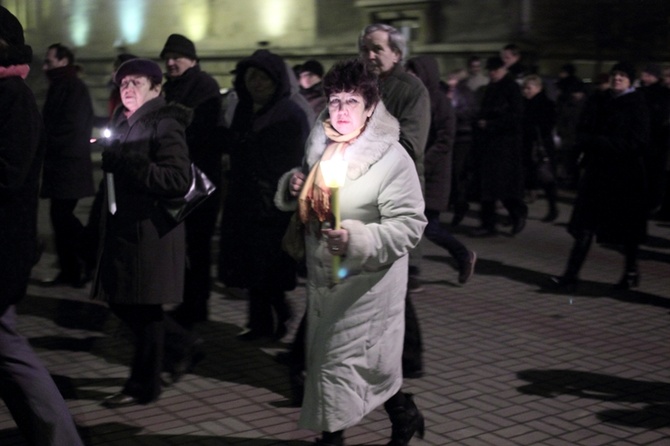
x=16 y=155
x=401 y=206
x=166 y=171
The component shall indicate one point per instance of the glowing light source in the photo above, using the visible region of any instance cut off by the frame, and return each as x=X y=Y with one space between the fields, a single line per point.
x=274 y=16
x=80 y=22
x=130 y=14
x=195 y=15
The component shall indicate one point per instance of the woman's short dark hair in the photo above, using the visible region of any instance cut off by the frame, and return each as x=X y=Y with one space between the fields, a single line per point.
x=352 y=75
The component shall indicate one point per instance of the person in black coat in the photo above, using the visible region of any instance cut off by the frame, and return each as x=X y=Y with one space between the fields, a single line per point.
x=142 y=255
x=25 y=385
x=539 y=120
x=497 y=150
x=613 y=135
x=267 y=138
x=191 y=87
x=68 y=170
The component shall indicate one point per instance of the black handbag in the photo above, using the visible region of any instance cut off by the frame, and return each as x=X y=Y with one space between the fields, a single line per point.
x=201 y=188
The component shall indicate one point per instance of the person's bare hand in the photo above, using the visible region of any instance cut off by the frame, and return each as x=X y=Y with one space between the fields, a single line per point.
x=295 y=184
x=337 y=240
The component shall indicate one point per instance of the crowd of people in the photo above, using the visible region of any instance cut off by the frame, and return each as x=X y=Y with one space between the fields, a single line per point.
x=413 y=147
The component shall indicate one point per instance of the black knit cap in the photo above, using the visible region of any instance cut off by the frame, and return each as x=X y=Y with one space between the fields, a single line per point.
x=11 y=31
x=141 y=67
x=495 y=62
x=176 y=43
x=312 y=66
x=654 y=69
x=626 y=68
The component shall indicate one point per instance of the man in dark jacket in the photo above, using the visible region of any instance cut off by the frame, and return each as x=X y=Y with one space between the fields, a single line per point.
x=405 y=97
x=497 y=149
x=311 y=87
x=68 y=169
x=191 y=87
x=25 y=385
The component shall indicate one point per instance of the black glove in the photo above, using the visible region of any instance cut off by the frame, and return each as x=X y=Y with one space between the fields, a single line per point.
x=111 y=156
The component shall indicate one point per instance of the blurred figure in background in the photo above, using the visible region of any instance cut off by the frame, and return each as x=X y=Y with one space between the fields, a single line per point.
x=497 y=150
x=309 y=77
x=191 y=87
x=67 y=174
x=539 y=120
x=439 y=163
x=613 y=135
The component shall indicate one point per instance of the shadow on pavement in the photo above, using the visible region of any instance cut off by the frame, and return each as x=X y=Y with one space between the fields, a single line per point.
x=655 y=395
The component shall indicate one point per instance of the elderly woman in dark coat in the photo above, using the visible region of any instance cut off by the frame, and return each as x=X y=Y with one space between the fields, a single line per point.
x=267 y=138
x=613 y=135
x=142 y=256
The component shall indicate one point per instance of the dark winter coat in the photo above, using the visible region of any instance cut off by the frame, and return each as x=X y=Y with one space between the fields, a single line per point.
x=539 y=121
x=497 y=146
x=21 y=155
x=199 y=91
x=438 y=152
x=407 y=100
x=68 y=120
x=142 y=256
x=263 y=145
x=613 y=135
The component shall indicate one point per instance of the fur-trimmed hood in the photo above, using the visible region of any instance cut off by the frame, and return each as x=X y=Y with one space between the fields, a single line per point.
x=381 y=131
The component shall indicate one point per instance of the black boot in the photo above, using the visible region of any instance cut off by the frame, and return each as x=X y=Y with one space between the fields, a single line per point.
x=330 y=439
x=570 y=279
x=406 y=420
x=631 y=277
x=552 y=196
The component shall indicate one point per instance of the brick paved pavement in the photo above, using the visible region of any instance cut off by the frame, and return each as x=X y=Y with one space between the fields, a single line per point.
x=505 y=362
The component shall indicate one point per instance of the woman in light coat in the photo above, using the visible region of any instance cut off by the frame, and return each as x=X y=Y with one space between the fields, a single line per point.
x=355 y=327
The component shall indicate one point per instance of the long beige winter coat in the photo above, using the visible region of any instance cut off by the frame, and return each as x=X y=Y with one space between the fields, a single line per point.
x=355 y=329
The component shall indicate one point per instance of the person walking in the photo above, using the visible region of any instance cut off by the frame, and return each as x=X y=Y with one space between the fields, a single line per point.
x=68 y=169
x=187 y=84
x=354 y=329
x=142 y=255
x=439 y=165
x=266 y=139
x=611 y=205
x=26 y=387
x=497 y=150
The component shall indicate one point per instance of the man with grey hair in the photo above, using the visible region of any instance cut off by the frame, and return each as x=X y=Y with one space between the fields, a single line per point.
x=406 y=98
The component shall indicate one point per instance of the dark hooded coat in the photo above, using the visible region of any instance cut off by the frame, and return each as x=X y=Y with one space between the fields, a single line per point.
x=142 y=254
x=68 y=121
x=263 y=145
x=439 y=147
x=613 y=135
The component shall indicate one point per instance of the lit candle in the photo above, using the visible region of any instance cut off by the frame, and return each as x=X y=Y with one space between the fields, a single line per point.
x=334 y=172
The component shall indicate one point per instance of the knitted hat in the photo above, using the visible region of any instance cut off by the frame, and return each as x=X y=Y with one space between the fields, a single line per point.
x=495 y=62
x=142 y=67
x=11 y=31
x=655 y=70
x=176 y=43
x=312 y=66
x=625 y=68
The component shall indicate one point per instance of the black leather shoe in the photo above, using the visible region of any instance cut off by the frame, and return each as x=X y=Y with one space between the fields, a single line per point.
x=186 y=364
x=253 y=335
x=467 y=268
x=628 y=281
x=563 y=284
x=120 y=400
x=551 y=216
x=518 y=225
x=484 y=232
x=65 y=280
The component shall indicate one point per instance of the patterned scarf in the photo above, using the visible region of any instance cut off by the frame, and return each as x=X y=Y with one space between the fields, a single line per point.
x=314 y=200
